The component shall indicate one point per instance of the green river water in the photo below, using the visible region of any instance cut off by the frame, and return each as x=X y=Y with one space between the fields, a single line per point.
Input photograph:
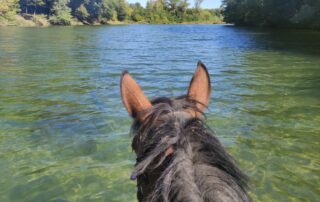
x=64 y=131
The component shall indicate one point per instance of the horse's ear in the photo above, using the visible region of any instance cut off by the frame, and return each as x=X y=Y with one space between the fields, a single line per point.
x=133 y=97
x=200 y=87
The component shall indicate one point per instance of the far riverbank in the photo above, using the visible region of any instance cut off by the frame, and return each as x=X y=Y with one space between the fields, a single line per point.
x=43 y=21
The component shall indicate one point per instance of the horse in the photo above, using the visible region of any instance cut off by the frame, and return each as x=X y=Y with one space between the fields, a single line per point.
x=178 y=157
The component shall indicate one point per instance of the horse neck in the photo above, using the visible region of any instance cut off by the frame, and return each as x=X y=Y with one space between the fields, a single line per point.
x=192 y=177
x=198 y=170
x=178 y=183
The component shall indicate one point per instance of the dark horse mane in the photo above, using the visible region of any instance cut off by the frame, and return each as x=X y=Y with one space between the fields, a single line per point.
x=197 y=168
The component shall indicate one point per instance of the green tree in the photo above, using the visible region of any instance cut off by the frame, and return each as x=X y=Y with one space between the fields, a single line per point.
x=308 y=15
x=81 y=13
x=61 y=13
x=8 y=8
x=177 y=8
x=273 y=13
x=121 y=8
x=138 y=12
x=35 y=4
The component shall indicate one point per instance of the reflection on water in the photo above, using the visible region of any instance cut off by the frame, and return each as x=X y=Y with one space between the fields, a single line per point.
x=64 y=132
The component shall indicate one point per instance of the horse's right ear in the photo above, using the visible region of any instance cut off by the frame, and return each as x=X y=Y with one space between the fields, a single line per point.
x=133 y=97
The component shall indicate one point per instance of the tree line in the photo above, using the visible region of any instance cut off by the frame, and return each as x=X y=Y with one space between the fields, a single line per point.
x=273 y=13
x=64 y=12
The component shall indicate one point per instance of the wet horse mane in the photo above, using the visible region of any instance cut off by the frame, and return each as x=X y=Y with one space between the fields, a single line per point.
x=178 y=156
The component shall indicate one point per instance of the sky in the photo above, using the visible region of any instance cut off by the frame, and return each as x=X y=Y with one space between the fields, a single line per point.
x=205 y=4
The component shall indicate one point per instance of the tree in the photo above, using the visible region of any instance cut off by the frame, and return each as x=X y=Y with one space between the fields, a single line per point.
x=82 y=13
x=172 y=5
x=35 y=4
x=61 y=13
x=138 y=12
x=308 y=15
x=8 y=8
x=121 y=9
x=177 y=8
x=273 y=13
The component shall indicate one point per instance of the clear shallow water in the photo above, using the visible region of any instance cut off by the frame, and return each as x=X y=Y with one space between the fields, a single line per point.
x=64 y=131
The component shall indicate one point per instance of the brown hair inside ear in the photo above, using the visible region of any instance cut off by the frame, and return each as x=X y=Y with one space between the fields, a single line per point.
x=200 y=87
x=133 y=97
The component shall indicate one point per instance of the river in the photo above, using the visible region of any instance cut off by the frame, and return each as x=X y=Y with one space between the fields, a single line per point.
x=64 y=131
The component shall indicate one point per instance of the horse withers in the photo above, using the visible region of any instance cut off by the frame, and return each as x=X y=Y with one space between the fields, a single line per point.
x=178 y=157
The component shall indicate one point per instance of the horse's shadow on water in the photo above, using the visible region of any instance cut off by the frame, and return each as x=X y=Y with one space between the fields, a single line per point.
x=178 y=157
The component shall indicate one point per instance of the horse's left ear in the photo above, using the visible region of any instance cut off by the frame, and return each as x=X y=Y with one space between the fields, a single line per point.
x=200 y=87
x=133 y=97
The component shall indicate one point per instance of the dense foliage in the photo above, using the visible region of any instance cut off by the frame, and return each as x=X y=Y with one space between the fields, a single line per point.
x=273 y=13
x=160 y=11
x=8 y=8
x=63 y=12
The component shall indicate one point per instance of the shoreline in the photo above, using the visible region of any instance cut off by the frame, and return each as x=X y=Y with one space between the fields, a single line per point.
x=42 y=21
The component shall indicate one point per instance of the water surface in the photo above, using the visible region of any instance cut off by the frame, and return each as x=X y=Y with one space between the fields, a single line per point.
x=64 y=131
